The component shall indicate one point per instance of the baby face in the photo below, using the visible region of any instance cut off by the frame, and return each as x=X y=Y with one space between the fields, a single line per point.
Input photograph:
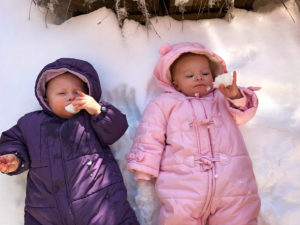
x=192 y=75
x=61 y=91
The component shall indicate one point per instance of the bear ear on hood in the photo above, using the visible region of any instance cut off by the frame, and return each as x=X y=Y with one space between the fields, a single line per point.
x=165 y=49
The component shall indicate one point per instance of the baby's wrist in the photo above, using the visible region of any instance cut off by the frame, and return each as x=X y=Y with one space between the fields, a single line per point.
x=96 y=110
x=237 y=95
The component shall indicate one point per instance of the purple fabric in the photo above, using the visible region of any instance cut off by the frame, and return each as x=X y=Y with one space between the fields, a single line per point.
x=73 y=177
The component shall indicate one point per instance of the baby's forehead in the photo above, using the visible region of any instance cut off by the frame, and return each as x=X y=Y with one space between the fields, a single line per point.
x=189 y=56
x=67 y=78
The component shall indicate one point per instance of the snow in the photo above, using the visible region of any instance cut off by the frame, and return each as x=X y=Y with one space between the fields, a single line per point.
x=181 y=2
x=263 y=47
x=225 y=79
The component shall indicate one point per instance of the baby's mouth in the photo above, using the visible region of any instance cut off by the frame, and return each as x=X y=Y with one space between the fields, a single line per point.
x=70 y=108
x=200 y=85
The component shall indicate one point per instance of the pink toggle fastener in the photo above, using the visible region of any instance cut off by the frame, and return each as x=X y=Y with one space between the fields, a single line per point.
x=205 y=122
x=206 y=163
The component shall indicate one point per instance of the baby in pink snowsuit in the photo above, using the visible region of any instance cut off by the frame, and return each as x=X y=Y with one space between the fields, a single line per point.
x=189 y=140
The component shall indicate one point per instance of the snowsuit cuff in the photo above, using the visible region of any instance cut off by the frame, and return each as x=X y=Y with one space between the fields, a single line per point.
x=103 y=112
x=136 y=167
x=239 y=103
x=243 y=112
x=140 y=176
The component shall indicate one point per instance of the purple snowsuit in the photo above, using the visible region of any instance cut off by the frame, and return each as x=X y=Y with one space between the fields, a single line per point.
x=73 y=177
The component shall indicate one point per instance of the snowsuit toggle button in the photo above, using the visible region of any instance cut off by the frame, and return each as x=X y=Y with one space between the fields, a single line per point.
x=205 y=122
x=206 y=163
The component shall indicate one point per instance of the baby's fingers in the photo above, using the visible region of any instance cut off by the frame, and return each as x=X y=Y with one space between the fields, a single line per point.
x=8 y=163
x=80 y=104
x=82 y=94
x=3 y=168
x=234 y=78
x=3 y=164
x=2 y=159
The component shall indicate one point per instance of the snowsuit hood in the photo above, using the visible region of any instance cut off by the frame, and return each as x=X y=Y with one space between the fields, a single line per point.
x=169 y=53
x=80 y=68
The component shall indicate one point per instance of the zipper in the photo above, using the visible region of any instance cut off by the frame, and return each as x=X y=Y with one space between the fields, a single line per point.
x=210 y=173
x=64 y=173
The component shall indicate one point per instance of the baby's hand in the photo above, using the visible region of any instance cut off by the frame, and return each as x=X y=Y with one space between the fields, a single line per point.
x=231 y=91
x=8 y=163
x=86 y=102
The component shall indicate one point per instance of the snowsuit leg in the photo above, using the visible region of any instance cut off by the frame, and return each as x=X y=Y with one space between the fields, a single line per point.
x=180 y=212
x=30 y=220
x=237 y=210
x=183 y=205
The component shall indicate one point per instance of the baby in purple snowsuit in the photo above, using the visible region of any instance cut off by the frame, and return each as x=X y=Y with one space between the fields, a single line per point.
x=73 y=177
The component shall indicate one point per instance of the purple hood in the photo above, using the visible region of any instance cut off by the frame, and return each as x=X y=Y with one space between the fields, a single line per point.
x=82 y=69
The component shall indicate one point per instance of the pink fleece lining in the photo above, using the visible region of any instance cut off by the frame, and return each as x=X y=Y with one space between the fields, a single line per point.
x=50 y=74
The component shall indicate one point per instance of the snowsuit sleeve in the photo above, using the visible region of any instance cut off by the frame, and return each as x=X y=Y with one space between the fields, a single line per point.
x=145 y=156
x=12 y=142
x=243 y=109
x=110 y=124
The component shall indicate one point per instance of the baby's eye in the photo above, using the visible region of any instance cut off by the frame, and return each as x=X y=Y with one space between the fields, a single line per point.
x=61 y=93
x=190 y=75
x=205 y=74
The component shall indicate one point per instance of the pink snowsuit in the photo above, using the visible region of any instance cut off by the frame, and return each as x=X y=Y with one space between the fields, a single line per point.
x=196 y=151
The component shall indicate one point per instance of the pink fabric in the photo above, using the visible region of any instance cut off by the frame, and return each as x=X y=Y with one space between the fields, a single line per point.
x=195 y=150
x=140 y=176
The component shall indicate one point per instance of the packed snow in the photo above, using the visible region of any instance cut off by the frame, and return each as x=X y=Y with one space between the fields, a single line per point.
x=223 y=79
x=262 y=46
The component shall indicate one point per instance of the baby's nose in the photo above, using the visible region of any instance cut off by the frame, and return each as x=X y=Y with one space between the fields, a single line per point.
x=198 y=77
x=71 y=97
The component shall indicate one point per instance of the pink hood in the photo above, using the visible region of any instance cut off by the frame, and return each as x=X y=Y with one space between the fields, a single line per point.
x=171 y=52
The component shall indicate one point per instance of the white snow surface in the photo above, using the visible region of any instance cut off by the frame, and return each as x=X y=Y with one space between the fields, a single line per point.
x=262 y=46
